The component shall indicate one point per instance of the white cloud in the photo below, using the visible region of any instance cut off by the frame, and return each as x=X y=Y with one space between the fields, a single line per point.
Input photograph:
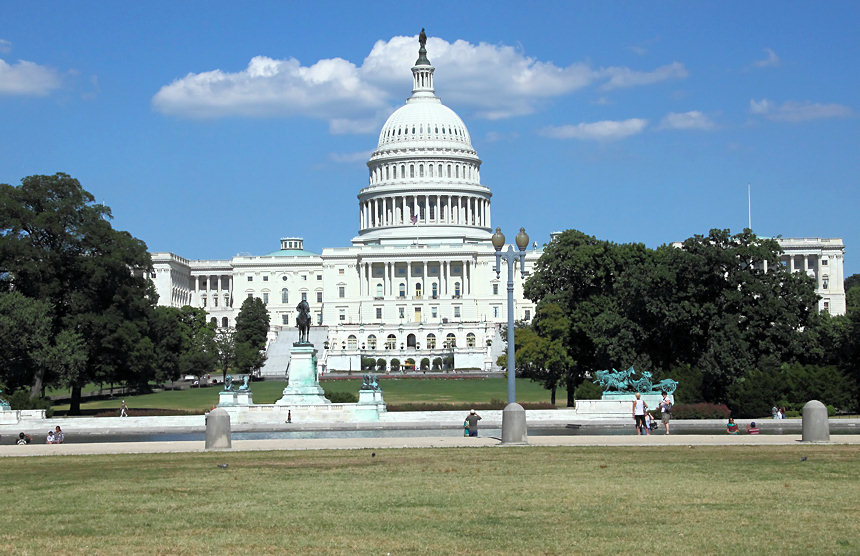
x=606 y=130
x=626 y=77
x=491 y=81
x=27 y=79
x=793 y=111
x=350 y=158
x=5 y=46
x=771 y=60
x=687 y=120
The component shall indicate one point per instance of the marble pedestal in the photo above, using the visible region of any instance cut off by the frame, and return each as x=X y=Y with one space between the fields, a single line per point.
x=303 y=387
x=242 y=397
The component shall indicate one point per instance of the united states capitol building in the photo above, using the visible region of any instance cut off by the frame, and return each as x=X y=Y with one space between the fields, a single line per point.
x=418 y=285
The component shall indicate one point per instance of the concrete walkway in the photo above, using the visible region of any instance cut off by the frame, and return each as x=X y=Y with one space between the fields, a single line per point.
x=416 y=442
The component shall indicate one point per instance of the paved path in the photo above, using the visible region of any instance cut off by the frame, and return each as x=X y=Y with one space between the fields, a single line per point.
x=414 y=442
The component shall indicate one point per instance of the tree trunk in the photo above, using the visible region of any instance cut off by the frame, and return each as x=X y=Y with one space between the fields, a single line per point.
x=571 y=386
x=38 y=384
x=552 y=395
x=75 y=401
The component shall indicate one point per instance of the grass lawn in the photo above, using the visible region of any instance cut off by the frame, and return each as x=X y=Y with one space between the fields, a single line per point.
x=396 y=391
x=667 y=500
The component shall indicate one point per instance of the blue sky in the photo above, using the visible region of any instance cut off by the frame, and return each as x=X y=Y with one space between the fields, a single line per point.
x=215 y=128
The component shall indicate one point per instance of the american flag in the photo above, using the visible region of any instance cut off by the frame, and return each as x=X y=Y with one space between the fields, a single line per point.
x=414 y=219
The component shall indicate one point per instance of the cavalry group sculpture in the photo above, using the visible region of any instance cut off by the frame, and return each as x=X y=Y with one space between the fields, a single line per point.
x=624 y=381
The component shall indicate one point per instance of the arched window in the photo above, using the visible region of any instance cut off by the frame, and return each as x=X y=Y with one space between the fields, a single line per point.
x=285 y=296
x=431 y=341
x=450 y=340
x=224 y=322
x=391 y=341
x=411 y=170
x=420 y=170
x=387 y=173
x=470 y=340
x=352 y=342
x=402 y=170
x=371 y=342
x=379 y=290
x=418 y=289
x=214 y=321
x=395 y=172
x=457 y=289
x=430 y=169
x=435 y=290
x=457 y=171
x=440 y=170
x=449 y=170
x=402 y=289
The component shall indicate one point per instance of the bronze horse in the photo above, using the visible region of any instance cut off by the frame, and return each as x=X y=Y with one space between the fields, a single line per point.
x=303 y=321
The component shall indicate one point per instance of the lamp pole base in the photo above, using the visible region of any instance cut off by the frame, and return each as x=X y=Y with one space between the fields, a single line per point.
x=514 y=430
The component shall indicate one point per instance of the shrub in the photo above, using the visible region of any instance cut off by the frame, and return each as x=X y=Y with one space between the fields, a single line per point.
x=437 y=364
x=395 y=365
x=588 y=391
x=380 y=365
x=368 y=363
x=701 y=410
x=425 y=364
x=21 y=399
x=342 y=397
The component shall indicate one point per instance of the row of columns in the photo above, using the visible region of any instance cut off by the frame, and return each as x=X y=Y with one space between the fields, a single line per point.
x=428 y=209
x=389 y=277
x=393 y=171
x=210 y=292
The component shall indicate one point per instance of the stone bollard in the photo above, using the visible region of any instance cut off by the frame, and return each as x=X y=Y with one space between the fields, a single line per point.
x=514 y=430
x=816 y=426
x=218 y=430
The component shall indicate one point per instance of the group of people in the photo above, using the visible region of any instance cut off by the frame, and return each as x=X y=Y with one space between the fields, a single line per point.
x=732 y=427
x=643 y=418
x=778 y=412
x=55 y=436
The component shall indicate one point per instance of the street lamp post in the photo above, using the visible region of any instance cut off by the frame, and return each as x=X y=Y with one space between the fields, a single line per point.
x=514 y=429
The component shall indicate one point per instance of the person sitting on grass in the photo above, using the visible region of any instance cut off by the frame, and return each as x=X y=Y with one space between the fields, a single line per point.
x=731 y=427
x=751 y=428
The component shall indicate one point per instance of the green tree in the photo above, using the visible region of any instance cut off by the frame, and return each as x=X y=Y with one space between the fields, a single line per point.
x=252 y=328
x=225 y=347
x=57 y=245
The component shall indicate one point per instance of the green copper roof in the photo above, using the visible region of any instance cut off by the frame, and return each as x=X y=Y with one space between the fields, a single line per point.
x=422 y=57
x=292 y=253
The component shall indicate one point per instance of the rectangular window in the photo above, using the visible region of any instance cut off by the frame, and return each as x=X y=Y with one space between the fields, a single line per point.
x=285 y=319
x=250 y=278
x=250 y=296
x=342 y=315
x=495 y=289
x=319 y=276
x=341 y=291
x=265 y=278
x=265 y=298
x=456 y=312
x=319 y=297
x=379 y=313
x=434 y=311
x=495 y=312
x=340 y=271
x=401 y=312
x=304 y=296
x=823 y=262
x=319 y=318
x=304 y=277
x=528 y=314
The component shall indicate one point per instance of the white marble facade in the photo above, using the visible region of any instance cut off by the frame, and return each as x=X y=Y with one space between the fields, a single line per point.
x=418 y=281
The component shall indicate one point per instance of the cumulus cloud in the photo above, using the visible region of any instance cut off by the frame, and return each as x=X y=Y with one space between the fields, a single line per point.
x=771 y=60
x=27 y=79
x=607 y=130
x=686 y=120
x=793 y=111
x=491 y=81
x=626 y=77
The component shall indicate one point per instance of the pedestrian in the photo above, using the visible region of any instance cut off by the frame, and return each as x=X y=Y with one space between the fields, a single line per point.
x=639 y=407
x=775 y=412
x=731 y=427
x=24 y=439
x=50 y=439
x=782 y=412
x=751 y=428
x=289 y=416
x=123 y=409
x=648 y=423
x=59 y=436
x=472 y=421
x=666 y=411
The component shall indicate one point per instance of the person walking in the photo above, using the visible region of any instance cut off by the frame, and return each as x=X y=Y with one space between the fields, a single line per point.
x=639 y=408
x=123 y=409
x=666 y=411
x=472 y=422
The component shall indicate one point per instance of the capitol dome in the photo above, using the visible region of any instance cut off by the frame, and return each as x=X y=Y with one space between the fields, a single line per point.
x=424 y=180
